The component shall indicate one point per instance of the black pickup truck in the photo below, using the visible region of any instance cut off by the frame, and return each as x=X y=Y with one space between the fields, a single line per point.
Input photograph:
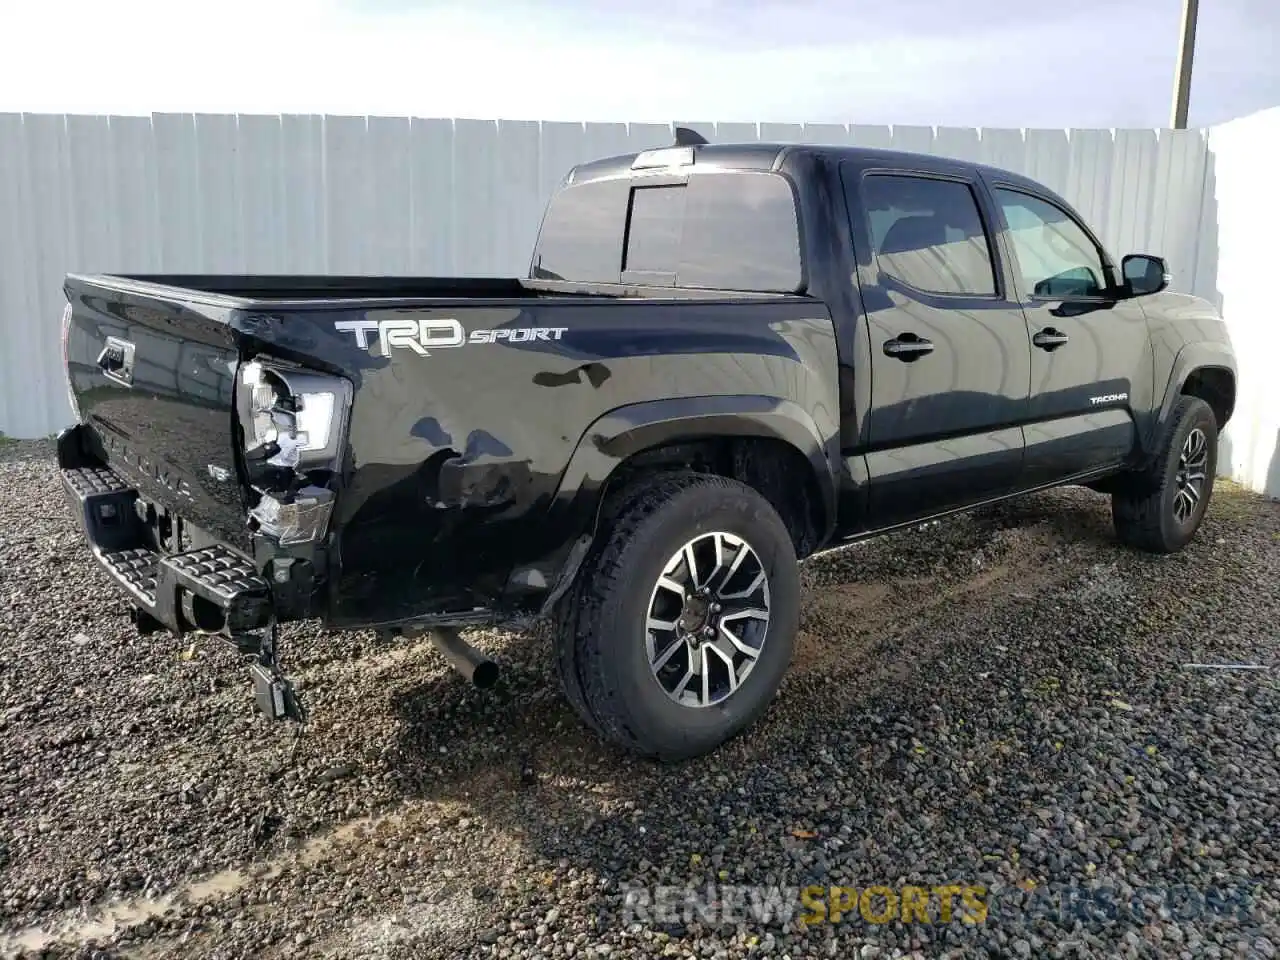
x=725 y=358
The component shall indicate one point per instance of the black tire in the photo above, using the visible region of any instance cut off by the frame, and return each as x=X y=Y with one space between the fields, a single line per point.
x=600 y=645
x=1144 y=512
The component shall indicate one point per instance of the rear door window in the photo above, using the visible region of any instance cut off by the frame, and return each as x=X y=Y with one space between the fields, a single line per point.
x=928 y=234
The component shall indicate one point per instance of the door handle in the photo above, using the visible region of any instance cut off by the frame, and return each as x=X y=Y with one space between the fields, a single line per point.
x=1050 y=339
x=907 y=347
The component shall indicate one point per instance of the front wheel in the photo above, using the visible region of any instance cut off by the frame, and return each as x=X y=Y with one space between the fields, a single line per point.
x=677 y=636
x=1163 y=510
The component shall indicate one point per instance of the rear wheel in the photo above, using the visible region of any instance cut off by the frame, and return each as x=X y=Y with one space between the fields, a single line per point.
x=684 y=620
x=1162 y=509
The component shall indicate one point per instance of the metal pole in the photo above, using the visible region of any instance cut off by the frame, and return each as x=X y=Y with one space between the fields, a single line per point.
x=1186 y=51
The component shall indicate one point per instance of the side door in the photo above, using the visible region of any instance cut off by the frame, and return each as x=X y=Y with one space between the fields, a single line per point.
x=950 y=360
x=1091 y=360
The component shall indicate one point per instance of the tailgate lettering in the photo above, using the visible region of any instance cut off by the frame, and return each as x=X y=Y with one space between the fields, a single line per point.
x=168 y=479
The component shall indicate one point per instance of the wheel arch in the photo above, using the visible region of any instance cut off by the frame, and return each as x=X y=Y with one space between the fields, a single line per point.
x=1214 y=385
x=763 y=441
x=1204 y=370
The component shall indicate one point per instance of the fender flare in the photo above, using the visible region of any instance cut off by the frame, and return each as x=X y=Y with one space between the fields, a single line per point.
x=1192 y=357
x=630 y=429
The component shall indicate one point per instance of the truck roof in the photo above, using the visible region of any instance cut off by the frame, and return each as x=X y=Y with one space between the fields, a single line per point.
x=754 y=155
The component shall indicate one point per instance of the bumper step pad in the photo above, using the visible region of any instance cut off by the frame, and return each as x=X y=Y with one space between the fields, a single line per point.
x=136 y=569
x=212 y=589
x=168 y=588
x=94 y=482
x=226 y=579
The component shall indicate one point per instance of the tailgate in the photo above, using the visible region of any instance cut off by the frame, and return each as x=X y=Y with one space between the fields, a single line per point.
x=152 y=372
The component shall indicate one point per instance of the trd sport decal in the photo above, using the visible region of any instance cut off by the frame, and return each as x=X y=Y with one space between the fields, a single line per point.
x=418 y=335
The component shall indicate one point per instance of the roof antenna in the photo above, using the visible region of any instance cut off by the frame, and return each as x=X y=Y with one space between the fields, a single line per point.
x=686 y=137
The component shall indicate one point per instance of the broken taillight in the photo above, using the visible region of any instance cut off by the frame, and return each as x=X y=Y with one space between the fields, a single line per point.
x=294 y=424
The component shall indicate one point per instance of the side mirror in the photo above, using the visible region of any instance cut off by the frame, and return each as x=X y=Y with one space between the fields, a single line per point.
x=1144 y=274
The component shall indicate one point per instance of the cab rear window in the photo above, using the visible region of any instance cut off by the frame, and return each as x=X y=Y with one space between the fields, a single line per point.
x=581 y=235
x=723 y=230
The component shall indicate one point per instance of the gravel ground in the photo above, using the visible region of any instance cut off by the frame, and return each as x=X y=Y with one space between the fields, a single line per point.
x=997 y=701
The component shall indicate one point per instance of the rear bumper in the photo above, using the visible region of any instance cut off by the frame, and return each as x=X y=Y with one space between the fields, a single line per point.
x=211 y=589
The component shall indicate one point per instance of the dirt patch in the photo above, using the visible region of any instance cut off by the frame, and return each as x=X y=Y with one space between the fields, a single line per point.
x=80 y=927
x=855 y=629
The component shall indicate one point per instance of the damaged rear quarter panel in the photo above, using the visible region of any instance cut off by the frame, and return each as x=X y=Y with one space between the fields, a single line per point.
x=457 y=455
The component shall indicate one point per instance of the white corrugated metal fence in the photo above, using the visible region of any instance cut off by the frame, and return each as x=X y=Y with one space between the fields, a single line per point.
x=377 y=195
x=1244 y=197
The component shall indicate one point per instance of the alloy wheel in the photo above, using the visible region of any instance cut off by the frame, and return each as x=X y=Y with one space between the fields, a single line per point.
x=1189 y=481
x=707 y=619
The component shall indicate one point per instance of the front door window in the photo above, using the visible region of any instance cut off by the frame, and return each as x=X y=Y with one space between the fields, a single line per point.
x=1053 y=256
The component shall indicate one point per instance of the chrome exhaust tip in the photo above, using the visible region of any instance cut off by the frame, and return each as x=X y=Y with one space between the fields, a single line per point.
x=464 y=658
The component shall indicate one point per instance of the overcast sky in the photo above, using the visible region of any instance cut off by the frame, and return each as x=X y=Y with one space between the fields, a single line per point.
x=958 y=62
